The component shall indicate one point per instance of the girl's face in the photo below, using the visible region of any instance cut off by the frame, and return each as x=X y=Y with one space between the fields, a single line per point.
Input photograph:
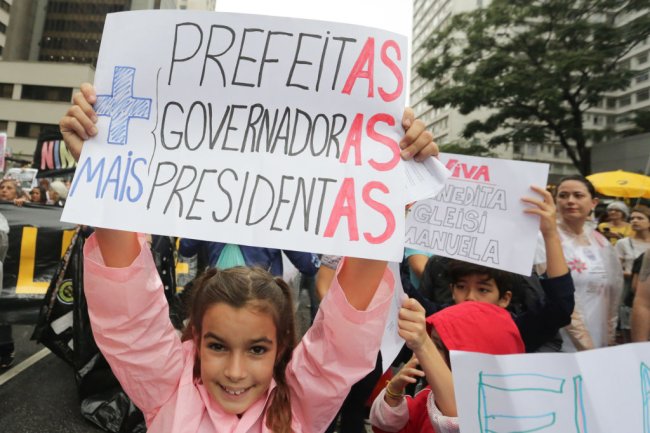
x=574 y=202
x=639 y=222
x=238 y=350
x=8 y=190
x=35 y=195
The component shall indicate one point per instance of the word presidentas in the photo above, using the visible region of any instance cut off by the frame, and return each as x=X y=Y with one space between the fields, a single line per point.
x=247 y=198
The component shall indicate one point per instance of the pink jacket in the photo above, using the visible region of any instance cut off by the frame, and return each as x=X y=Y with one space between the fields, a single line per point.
x=130 y=321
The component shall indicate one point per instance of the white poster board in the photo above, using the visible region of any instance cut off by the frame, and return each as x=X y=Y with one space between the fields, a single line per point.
x=246 y=129
x=478 y=216
x=3 y=149
x=597 y=391
x=26 y=177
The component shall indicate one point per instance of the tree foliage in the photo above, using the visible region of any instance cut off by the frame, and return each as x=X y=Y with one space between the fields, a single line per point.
x=539 y=64
x=463 y=148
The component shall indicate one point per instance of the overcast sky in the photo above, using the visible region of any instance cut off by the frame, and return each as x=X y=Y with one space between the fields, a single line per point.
x=393 y=15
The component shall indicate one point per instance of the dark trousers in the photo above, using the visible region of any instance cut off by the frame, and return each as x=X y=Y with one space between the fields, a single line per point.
x=6 y=342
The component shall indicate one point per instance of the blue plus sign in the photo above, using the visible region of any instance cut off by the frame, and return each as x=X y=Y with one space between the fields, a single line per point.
x=121 y=106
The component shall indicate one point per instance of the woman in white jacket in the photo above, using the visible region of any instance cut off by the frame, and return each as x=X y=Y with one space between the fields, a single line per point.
x=595 y=268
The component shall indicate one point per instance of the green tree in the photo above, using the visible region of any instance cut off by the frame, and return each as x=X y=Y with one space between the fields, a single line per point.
x=540 y=64
x=641 y=123
x=462 y=147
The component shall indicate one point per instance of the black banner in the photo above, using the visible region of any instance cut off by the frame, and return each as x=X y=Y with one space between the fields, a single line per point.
x=51 y=157
x=37 y=241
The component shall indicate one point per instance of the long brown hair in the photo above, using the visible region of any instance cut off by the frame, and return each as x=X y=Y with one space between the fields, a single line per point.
x=241 y=287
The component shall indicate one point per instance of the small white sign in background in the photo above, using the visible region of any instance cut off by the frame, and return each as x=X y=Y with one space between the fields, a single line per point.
x=478 y=216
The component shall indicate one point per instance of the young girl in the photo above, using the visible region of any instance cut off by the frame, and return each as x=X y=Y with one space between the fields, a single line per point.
x=236 y=368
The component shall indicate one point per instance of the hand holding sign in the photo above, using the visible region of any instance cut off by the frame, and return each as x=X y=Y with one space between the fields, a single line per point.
x=79 y=122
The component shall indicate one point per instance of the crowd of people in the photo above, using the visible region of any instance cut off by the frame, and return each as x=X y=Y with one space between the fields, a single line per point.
x=239 y=360
x=47 y=192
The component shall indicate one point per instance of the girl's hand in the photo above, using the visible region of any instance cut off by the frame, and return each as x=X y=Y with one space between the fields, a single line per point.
x=417 y=142
x=409 y=373
x=545 y=208
x=412 y=325
x=78 y=125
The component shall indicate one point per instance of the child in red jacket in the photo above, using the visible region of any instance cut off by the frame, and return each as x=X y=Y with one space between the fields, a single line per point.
x=469 y=326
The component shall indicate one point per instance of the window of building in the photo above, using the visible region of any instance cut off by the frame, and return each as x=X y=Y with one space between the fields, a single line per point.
x=643 y=95
x=624 y=101
x=47 y=93
x=30 y=130
x=643 y=76
x=611 y=120
x=5 y=6
x=596 y=120
x=642 y=58
x=4 y=125
x=3 y=28
x=611 y=102
x=6 y=90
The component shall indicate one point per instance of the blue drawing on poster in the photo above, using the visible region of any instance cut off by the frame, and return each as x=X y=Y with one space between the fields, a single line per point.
x=491 y=422
x=121 y=106
x=645 y=394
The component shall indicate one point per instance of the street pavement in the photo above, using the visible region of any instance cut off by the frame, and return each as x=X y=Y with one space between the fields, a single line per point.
x=38 y=394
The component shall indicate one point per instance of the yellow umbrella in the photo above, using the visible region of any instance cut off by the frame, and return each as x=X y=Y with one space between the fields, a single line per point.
x=621 y=183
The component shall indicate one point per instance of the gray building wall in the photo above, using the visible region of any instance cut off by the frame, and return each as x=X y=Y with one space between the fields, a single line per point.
x=627 y=153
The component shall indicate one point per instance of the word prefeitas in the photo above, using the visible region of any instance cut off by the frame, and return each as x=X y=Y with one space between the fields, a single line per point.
x=313 y=56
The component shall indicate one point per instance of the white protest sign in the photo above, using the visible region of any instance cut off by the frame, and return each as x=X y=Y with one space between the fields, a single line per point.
x=246 y=129
x=26 y=177
x=3 y=147
x=391 y=342
x=478 y=216
x=596 y=391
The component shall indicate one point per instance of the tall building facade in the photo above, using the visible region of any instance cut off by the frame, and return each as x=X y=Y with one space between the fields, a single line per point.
x=51 y=47
x=5 y=10
x=614 y=112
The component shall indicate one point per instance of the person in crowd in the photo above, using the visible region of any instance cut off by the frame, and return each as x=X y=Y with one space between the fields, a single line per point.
x=470 y=326
x=417 y=260
x=38 y=195
x=616 y=227
x=640 y=322
x=6 y=339
x=595 y=268
x=10 y=190
x=628 y=250
x=236 y=366
x=224 y=256
x=57 y=193
x=538 y=324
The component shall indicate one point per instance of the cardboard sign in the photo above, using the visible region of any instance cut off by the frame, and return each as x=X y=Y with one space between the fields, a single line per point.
x=596 y=391
x=247 y=129
x=26 y=177
x=478 y=216
x=3 y=149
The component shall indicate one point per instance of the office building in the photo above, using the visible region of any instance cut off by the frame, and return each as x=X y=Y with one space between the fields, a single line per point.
x=614 y=112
